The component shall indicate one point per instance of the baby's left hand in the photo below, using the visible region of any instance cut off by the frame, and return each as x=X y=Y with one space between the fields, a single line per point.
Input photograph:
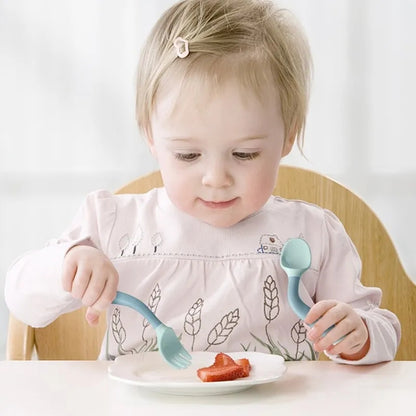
x=347 y=323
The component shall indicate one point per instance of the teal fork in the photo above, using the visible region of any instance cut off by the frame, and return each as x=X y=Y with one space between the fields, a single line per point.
x=168 y=343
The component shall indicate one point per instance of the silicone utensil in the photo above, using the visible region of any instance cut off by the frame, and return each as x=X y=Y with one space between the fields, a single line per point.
x=295 y=259
x=168 y=343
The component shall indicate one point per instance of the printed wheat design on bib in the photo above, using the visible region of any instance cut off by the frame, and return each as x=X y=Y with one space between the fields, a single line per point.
x=153 y=303
x=271 y=309
x=192 y=324
x=223 y=328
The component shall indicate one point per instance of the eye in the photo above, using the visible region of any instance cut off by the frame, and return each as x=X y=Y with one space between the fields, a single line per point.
x=187 y=157
x=246 y=155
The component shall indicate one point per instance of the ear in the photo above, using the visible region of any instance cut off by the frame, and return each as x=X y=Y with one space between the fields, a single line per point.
x=150 y=142
x=288 y=144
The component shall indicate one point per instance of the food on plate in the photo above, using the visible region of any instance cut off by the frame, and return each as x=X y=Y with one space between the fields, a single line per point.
x=225 y=369
x=245 y=363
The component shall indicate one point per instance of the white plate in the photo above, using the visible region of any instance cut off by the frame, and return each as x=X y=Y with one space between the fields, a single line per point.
x=150 y=371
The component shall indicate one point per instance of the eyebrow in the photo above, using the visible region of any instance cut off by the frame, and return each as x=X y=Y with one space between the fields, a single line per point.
x=187 y=139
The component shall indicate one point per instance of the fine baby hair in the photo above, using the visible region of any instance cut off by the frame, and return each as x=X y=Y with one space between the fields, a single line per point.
x=202 y=43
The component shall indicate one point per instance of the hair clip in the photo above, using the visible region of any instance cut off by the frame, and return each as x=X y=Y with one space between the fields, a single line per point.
x=182 y=47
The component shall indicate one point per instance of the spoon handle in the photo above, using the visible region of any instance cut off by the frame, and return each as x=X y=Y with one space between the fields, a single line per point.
x=299 y=307
x=295 y=302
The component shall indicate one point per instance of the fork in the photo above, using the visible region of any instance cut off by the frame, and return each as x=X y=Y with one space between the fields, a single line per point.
x=168 y=343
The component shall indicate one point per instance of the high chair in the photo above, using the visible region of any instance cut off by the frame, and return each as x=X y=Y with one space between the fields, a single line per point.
x=69 y=337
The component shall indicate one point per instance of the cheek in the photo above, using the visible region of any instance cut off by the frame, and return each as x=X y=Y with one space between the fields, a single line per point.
x=260 y=189
x=261 y=183
x=175 y=179
x=265 y=177
x=177 y=186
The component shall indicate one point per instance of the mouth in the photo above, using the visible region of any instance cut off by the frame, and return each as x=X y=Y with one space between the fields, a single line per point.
x=219 y=204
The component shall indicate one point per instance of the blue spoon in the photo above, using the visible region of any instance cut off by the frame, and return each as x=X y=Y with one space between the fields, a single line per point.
x=295 y=259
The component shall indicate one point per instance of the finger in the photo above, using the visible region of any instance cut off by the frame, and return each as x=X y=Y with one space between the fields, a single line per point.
x=108 y=293
x=80 y=283
x=351 y=344
x=69 y=270
x=332 y=317
x=92 y=316
x=324 y=326
x=94 y=290
x=348 y=337
x=355 y=340
x=336 y=335
x=318 y=310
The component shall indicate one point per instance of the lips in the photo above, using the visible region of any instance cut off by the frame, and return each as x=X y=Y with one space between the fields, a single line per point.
x=219 y=204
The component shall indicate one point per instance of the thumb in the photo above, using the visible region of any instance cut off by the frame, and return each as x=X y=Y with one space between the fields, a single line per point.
x=92 y=316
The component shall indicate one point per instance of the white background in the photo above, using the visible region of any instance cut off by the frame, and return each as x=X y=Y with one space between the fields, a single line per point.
x=67 y=124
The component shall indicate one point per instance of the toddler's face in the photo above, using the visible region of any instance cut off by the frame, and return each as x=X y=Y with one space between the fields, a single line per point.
x=219 y=152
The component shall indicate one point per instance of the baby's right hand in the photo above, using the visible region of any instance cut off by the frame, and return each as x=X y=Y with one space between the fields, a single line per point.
x=90 y=276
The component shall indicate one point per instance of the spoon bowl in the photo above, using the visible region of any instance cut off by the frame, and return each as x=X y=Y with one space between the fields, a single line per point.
x=295 y=259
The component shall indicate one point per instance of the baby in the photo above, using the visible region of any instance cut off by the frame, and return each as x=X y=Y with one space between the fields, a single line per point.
x=222 y=96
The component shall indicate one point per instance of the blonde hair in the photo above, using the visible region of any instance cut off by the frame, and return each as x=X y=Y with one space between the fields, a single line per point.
x=252 y=40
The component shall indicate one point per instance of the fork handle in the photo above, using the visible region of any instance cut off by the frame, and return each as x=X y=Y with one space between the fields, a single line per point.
x=136 y=304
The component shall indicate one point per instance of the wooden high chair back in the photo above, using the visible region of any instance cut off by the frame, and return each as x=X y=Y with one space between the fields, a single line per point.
x=70 y=337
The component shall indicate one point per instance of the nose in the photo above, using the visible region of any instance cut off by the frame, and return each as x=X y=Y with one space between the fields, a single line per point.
x=216 y=175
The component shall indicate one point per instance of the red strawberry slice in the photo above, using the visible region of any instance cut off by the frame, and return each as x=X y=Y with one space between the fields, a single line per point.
x=245 y=363
x=222 y=360
x=224 y=369
x=229 y=372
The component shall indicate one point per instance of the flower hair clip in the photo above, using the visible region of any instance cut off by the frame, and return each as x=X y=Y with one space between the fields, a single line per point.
x=182 y=47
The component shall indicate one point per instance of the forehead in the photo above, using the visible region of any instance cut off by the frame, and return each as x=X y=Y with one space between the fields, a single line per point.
x=200 y=80
x=211 y=109
x=229 y=111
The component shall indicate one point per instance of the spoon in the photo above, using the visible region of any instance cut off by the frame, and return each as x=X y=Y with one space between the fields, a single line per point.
x=295 y=259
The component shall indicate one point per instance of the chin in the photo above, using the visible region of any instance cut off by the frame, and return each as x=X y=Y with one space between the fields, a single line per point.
x=221 y=222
